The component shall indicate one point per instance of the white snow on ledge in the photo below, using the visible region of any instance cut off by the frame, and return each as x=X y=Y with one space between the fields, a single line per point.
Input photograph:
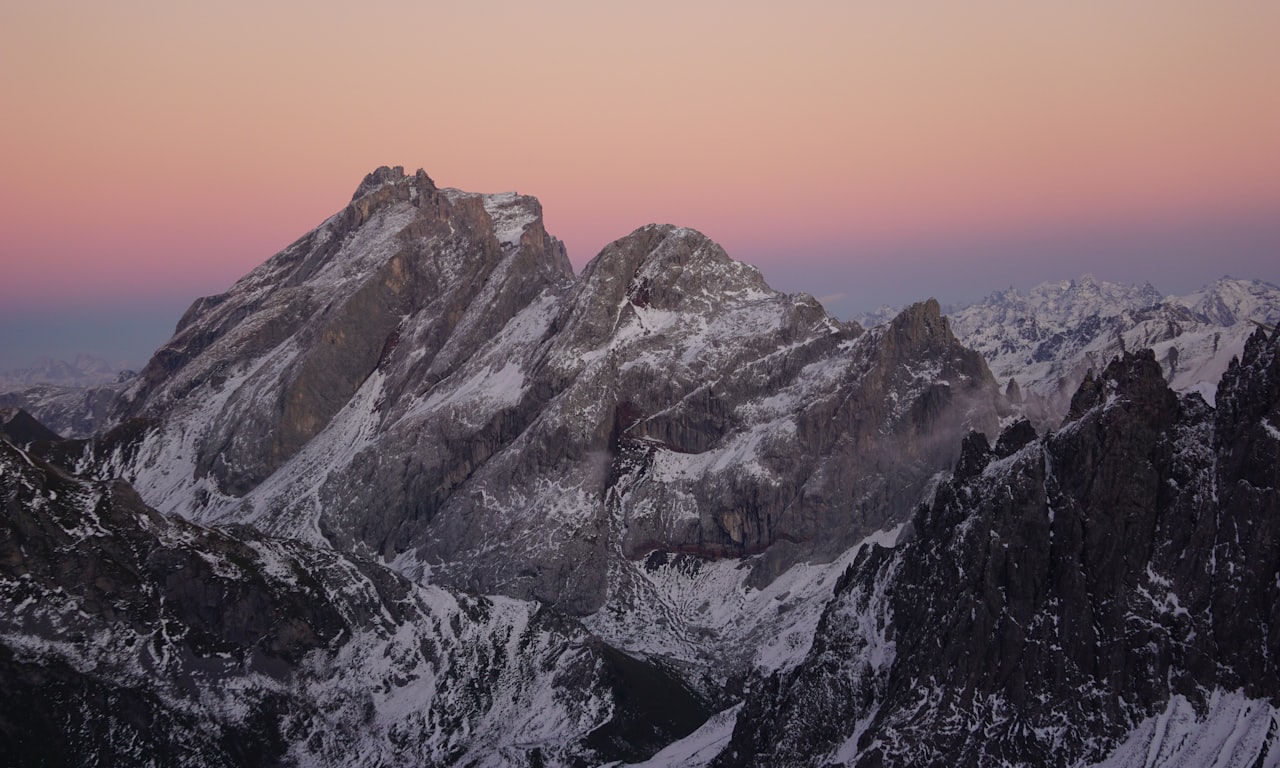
x=1236 y=732
x=511 y=216
x=700 y=747
x=498 y=387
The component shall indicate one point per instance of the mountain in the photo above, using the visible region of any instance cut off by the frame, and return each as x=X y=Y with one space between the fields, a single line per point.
x=1043 y=343
x=133 y=638
x=1107 y=594
x=423 y=380
x=1228 y=301
x=412 y=492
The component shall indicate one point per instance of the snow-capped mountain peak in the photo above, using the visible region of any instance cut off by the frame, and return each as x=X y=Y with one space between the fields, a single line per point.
x=1229 y=301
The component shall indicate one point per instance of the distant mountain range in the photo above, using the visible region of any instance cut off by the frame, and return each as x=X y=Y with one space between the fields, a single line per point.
x=72 y=399
x=411 y=492
x=84 y=371
x=1047 y=339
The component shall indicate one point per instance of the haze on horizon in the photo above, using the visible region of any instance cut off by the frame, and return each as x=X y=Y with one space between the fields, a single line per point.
x=864 y=153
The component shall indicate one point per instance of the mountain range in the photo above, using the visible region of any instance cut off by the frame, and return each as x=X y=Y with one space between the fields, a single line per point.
x=84 y=371
x=72 y=399
x=413 y=492
x=1044 y=341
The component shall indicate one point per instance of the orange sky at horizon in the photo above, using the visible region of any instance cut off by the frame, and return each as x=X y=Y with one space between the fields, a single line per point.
x=153 y=146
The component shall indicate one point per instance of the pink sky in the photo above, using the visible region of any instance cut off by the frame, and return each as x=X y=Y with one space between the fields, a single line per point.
x=152 y=152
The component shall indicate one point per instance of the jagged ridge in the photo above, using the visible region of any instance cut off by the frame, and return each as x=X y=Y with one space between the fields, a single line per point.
x=1063 y=597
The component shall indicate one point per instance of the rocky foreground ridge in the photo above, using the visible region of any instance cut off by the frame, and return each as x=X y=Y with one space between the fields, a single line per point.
x=425 y=496
x=131 y=638
x=1105 y=594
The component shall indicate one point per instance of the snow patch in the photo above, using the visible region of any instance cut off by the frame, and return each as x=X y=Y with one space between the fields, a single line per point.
x=1235 y=732
x=489 y=387
x=699 y=748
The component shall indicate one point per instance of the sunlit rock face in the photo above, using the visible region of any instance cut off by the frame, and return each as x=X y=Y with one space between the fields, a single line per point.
x=423 y=379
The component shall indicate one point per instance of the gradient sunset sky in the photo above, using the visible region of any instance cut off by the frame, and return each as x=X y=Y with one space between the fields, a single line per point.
x=864 y=152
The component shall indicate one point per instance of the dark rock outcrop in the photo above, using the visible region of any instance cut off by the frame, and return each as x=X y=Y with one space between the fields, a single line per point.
x=19 y=427
x=1058 y=591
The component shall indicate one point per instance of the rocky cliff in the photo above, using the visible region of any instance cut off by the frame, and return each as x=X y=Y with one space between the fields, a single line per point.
x=1109 y=593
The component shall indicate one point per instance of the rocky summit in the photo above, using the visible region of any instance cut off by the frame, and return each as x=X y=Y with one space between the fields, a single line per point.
x=413 y=492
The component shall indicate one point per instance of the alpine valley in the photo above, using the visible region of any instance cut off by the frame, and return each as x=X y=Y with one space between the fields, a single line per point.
x=413 y=493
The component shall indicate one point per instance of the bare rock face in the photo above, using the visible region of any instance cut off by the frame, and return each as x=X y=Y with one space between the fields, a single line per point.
x=1068 y=592
x=670 y=401
x=422 y=380
x=818 y=448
